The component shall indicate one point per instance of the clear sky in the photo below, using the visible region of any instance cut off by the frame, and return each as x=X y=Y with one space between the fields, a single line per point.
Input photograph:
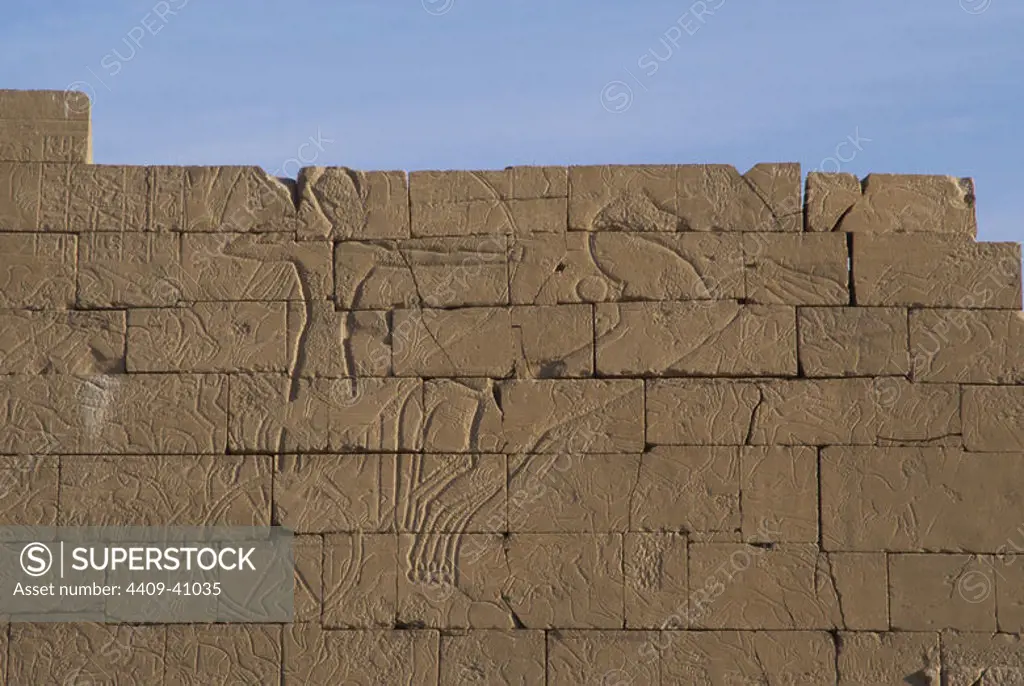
x=916 y=86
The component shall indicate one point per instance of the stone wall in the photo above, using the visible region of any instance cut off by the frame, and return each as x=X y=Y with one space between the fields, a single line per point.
x=568 y=425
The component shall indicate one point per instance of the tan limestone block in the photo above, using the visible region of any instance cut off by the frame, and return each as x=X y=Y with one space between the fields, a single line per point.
x=474 y=341
x=698 y=412
x=93 y=197
x=229 y=200
x=600 y=657
x=510 y=183
x=45 y=126
x=162 y=490
x=82 y=343
x=225 y=653
x=341 y=203
x=861 y=581
x=360 y=575
x=1007 y=572
x=209 y=337
x=779 y=493
x=918 y=499
x=982 y=659
x=798 y=269
x=377 y=415
x=335 y=493
x=905 y=203
x=308 y=580
x=853 y=341
x=506 y=657
x=490 y=216
x=787 y=586
x=656 y=580
x=723 y=658
x=930 y=592
x=882 y=659
x=327 y=342
x=993 y=418
x=553 y=341
x=571 y=493
x=565 y=581
x=74 y=653
x=37 y=270
x=29 y=486
x=967 y=346
x=816 y=413
x=21 y=196
x=130 y=269
x=702 y=339
x=451 y=493
x=936 y=271
x=313 y=655
x=462 y=415
x=829 y=195
x=427 y=272
x=686 y=489
x=917 y=414
x=574 y=416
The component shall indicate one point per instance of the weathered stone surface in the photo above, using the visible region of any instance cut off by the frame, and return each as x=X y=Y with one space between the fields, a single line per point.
x=917 y=414
x=967 y=346
x=918 y=499
x=474 y=341
x=574 y=416
x=608 y=266
x=853 y=341
x=686 y=489
x=722 y=658
x=327 y=342
x=428 y=272
x=462 y=415
x=44 y=126
x=205 y=654
x=114 y=414
x=37 y=270
x=1007 y=573
x=600 y=657
x=710 y=197
x=934 y=592
x=553 y=341
x=160 y=490
x=779 y=493
x=936 y=271
x=695 y=339
x=815 y=413
x=28 y=490
x=510 y=183
x=336 y=493
x=49 y=342
x=882 y=659
x=221 y=199
x=80 y=653
x=209 y=337
x=906 y=203
x=565 y=580
x=316 y=656
x=982 y=659
x=359 y=580
x=342 y=204
x=577 y=493
x=656 y=580
x=993 y=418
x=828 y=197
x=508 y=657
x=861 y=581
x=20 y=190
x=700 y=412
x=93 y=197
x=451 y=493
x=787 y=586
x=309 y=556
x=799 y=269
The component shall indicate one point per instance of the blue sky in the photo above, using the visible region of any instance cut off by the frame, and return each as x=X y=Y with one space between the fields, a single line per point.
x=923 y=86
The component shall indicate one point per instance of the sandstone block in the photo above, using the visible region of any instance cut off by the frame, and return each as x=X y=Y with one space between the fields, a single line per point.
x=967 y=346
x=829 y=195
x=336 y=493
x=917 y=414
x=853 y=341
x=72 y=653
x=510 y=183
x=656 y=580
x=93 y=197
x=787 y=586
x=20 y=190
x=511 y=657
x=993 y=417
x=715 y=339
x=711 y=197
x=348 y=344
x=934 y=592
x=881 y=659
x=462 y=415
x=936 y=271
x=220 y=199
x=316 y=656
x=309 y=556
x=343 y=204
x=82 y=343
x=570 y=493
x=779 y=492
x=487 y=217
x=29 y=485
x=428 y=272
x=44 y=126
x=360 y=575
x=982 y=659
x=553 y=341
x=574 y=416
x=741 y=657
x=815 y=413
x=861 y=581
x=798 y=269
x=686 y=488
x=37 y=270
x=699 y=412
x=211 y=653
x=566 y=581
x=474 y=341
x=451 y=493
x=1007 y=574
x=600 y=657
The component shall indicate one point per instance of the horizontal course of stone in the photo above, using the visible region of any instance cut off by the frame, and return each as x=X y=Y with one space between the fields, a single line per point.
x=665 y=424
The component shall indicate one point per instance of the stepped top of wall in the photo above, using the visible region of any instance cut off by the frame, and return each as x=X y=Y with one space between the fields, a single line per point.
x=44 y=126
